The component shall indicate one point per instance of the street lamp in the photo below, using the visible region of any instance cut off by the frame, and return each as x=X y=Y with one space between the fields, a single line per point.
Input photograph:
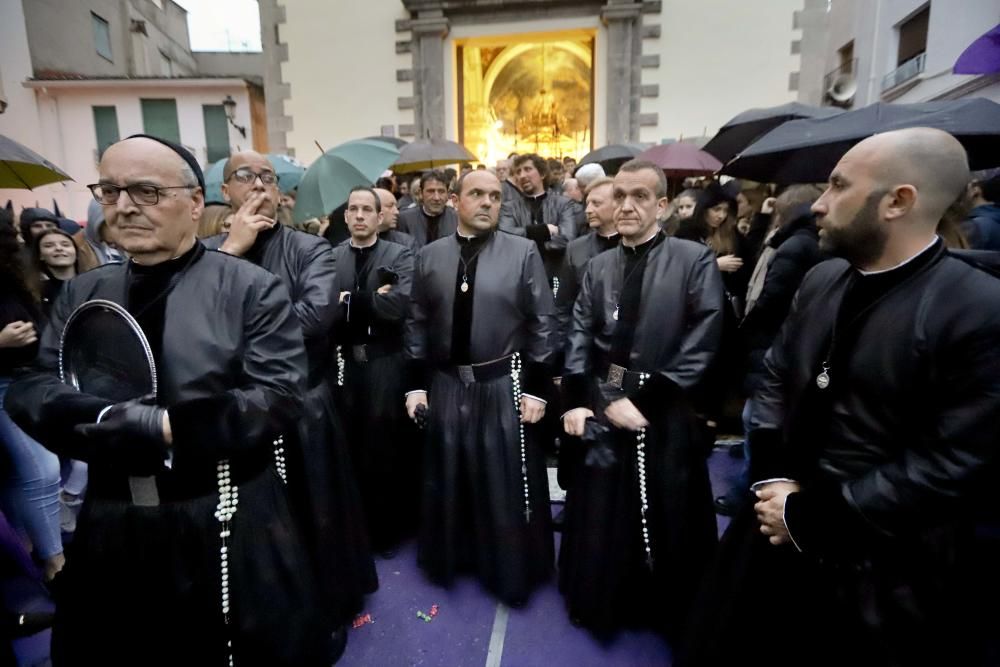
x=229 y=104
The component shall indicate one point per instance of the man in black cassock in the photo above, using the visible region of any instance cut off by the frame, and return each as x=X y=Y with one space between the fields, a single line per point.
x=603 y=236
x=373 y=292
x=432 y=218
x=388 y=228
x=317 y=466
x=874 y=439
x=210 y=569
x=640 y=526
x=541 y=215
x=477 y=344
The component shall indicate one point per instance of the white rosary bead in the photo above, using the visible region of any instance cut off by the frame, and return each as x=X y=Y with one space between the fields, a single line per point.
x=226 y=508
x=340 y=368
x=515 y=374
x=640 y=440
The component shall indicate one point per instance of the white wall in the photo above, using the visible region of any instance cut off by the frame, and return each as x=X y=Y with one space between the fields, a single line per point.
x=718 y=58
x=67 y=120
x=341 y=68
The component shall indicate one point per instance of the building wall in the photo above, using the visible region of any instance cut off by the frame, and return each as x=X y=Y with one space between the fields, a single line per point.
x=61 y=37
x=716 y=60
x=65 y=117
x=245 y=65
x=873 y=27
x=813 y=20
x=341 y=70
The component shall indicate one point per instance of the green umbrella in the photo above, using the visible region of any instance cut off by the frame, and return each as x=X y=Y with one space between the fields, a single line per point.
x=288 y=169
x=21 y=167
x=328 y=181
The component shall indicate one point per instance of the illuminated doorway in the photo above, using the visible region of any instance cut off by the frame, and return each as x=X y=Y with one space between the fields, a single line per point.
x=531 y=93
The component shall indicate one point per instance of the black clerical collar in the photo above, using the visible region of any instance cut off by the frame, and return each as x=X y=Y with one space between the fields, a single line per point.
x=537 y=197
x=907 y=266
x=170 y=266
x=431 y=215
x=362 y=249
x=474 y=240
x=644 y=246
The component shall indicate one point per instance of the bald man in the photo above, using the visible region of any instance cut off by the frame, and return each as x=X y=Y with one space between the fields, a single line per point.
x=390 y=217
x=318 y=466
x=874 y=437
x=202 y=563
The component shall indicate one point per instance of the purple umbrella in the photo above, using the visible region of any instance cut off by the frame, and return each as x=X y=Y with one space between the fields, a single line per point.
x=681 y=159
x=982 y=56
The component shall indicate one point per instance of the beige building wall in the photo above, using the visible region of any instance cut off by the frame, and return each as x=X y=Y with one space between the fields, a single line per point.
x=341 y=67
x=717 y=59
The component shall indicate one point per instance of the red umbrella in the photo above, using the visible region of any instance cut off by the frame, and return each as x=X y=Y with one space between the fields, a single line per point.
x=681 y=159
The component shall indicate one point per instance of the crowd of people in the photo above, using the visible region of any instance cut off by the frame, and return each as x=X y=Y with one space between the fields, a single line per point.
x=408 y=367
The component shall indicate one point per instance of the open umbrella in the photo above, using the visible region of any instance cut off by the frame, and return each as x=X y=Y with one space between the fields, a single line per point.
x=982 y=56
x=681 y=159
x=328 y=181
x=395 y=141
x=21 y=167
x=806 y=151
x=611 y=152
x=430 y=153
x=745 y=128
x=288 y=169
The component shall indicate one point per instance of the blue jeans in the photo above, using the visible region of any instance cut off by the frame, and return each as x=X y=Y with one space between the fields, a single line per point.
x=30 y=494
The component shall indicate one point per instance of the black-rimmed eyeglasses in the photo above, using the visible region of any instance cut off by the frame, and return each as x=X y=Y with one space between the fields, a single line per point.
x=141 y=194
x=247 y=176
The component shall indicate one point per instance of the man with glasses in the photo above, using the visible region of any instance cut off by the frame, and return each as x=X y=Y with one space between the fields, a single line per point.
x=206 y=566
x=319 y=471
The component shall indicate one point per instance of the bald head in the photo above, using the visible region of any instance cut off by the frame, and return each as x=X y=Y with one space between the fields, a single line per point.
x=243 y=182
x=390 y=212
x=932 y=161
x=243 y=158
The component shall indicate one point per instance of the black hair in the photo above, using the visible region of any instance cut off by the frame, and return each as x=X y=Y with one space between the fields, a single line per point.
x=365 y=188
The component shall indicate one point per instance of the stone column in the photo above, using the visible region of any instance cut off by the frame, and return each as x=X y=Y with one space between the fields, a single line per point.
x=622 y=18
x=428 y=81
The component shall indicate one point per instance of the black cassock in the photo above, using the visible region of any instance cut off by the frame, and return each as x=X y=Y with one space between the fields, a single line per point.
x=369 y=335
x=485 y=496
x=319 y=470
x=424 y=228
x=144 y=585
x=655 y=310
x=579 y=252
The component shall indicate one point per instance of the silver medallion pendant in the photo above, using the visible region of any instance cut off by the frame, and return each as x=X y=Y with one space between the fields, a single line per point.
x=464 y=286
x=823 y=379
x=614 y=315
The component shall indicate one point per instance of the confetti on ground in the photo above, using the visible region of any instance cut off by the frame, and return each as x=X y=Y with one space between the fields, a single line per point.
x=425 y=617
x=363 y=619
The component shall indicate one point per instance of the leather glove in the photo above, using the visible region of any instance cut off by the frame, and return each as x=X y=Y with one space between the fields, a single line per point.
x=130 y=435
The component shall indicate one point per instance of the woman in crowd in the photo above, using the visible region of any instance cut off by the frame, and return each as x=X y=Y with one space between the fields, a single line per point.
x=30 y=492
x=55 y=256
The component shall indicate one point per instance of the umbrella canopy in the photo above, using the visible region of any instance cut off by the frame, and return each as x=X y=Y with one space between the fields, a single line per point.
x=21 y=167
x=288 y=169
x=982 y=56
x=806 y=151
x=395 y=141
x=430 y=153
x=328 y=181
x=611 y=152
x=681 y=159
x=745 y=128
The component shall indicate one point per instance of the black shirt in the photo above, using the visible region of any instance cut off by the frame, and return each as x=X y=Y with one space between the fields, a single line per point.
x=461 y=331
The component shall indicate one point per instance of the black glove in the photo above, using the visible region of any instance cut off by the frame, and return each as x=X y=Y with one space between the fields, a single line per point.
x=599 y=454
x=130 y=435
x=420 y=416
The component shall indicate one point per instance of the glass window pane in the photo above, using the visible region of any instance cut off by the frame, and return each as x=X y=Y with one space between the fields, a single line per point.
x=159 y=118
x=102 y=35
x=106 y=126
x=216 y=132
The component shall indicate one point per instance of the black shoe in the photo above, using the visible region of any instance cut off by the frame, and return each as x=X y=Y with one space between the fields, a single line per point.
x=338 y=643
x=388 y=554
x=726 y=506
x=17 y=625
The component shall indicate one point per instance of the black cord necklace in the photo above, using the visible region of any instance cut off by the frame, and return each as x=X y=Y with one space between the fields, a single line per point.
x=466 y=264
x=638 y=262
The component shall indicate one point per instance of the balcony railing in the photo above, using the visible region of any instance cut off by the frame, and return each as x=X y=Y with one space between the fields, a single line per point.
x=908 y=70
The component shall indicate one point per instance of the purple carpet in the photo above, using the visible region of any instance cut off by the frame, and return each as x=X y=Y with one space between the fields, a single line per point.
x=470 y=627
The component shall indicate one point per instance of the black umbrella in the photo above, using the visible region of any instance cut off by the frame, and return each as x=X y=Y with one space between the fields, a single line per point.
x=610 y=153
x=806 y=151
x=745 y=128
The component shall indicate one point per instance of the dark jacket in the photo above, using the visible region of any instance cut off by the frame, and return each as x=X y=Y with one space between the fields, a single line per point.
x=796 y=247
x=578 y=255
x=415 y=222
x=516 y=218
x=982 y=227
x=898 y=453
